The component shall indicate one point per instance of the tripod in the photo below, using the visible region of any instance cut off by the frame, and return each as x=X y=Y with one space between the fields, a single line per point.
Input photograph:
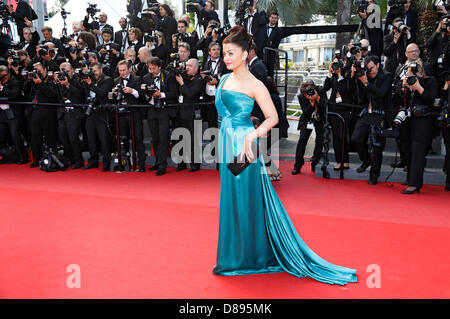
x=6 y=28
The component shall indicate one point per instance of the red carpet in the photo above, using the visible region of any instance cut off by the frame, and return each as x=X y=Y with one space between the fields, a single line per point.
x=137 y=235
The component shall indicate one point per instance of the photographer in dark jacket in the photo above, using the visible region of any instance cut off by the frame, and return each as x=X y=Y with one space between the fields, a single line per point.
x=339 y=94
x=10 y=89
x=438 y=46
x=70 y=118
x=191 y=87
x=416 y=121
x=24 y=12
x=313 y=116
x=130 y=86
x=43 y=121
x=97 y=120
x=375 y=94
x=163 y=91
x=395 y=44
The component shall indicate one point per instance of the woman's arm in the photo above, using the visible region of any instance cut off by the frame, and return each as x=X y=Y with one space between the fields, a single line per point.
x=265 y=102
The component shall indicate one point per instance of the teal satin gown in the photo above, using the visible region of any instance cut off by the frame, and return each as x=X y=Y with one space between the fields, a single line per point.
x=256 y=234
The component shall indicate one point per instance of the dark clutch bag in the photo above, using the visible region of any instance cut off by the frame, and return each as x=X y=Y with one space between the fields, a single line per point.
x=236 y=167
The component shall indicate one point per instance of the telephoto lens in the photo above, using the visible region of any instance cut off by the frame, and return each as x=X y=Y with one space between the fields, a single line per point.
x=401 y=116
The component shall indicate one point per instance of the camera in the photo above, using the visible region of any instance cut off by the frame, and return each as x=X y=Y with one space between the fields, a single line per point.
x=181 y=36
x=338 y=65
x=176 y=67
x=138 y=67
x=43 y=50
x=241 y=6
x=402 y=28
x=4 y=12
x=310 y=91
x=361 y=5
x=400 y=117
x=64 y=13
x=150 y=37
x=149 y=89
x=92 y=9
x=411 y=80
x=209 y=77
x=62 y=75
x=360 y=67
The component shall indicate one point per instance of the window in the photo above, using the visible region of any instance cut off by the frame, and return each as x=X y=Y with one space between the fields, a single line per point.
x=299 y=56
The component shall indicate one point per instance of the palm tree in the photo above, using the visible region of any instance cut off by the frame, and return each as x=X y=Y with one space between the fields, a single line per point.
x=292 y=12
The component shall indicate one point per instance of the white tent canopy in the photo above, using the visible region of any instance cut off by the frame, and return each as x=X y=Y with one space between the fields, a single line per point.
x=114 y=9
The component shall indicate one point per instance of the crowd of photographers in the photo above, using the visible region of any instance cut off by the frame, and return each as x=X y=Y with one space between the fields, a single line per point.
x=401 y=90
x=147 y=70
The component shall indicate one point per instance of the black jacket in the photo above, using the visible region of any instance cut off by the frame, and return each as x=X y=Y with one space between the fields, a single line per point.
x=12 y=91
x=101 y=89
x=259 y=30
x=191 y=91
x=337 y=86
x=133 y=82
x=395 y=52
x=275 y=37
x=31 y=48
x=259 y=70
x=23 y=10
x=44 y=92
x=75 y=93
x=308 y=110
x=168 y=86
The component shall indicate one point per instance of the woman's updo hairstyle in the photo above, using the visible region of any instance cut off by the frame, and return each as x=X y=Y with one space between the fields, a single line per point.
x=239 y=36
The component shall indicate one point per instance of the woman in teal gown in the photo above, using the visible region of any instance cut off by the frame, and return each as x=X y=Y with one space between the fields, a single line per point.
x=256 y=235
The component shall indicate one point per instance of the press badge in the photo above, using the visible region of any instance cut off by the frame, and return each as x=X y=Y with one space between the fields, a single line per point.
x=180 y=99
x=310 y=126
x=338 y=98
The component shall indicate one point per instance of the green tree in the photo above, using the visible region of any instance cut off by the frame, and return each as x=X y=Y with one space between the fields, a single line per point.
x=292 y=12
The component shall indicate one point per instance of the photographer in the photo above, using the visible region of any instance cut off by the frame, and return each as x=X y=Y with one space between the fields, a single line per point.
x=412 y=54
x=438 y=45
x=370 y=14
x=339 y=94
x=5 y=44
x=190 y=88
x=121 y=36
x=313 y=117
x=255 y=23
x=109 y=53
x=374 y=87
x=97 y=120
x=215 y=67
x=274 y=36
x=31 y=40
x=141 y=69
x=183 y=36
x=47 y=32
x=160 y=48
x=46 y=54
x=135 y=39
x=70 y=118
x=128 y=91
x=208 y=37
x=10 y=89
x=161 y=89
x=167 y=23
x=24 y=12
x=97 y=27
x=43 y=121
x=76 y=28
x=207 y=13
x=395 y=44
x=136 y=8
x=416 y=122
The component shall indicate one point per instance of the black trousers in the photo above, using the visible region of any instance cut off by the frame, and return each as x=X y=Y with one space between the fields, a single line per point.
x=360 y=136
x=446 y=136
x=13 y=126
x=43 y=123
x=125 y=131
x=415 y=142
x=209 y=112
x=340 y=141
x=305 y=133
x=270 y=63
x=69 y=127
x=158 y=120
x=98 y=136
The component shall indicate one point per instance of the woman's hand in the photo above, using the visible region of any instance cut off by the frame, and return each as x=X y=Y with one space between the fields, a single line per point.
x=247 y=149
